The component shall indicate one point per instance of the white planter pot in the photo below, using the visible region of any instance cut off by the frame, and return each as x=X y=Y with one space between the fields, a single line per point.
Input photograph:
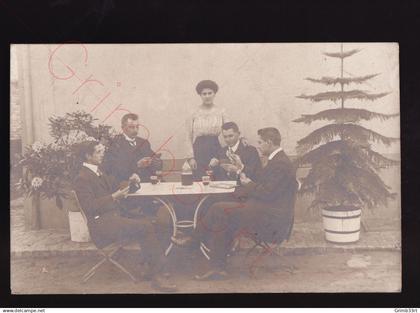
x=78 y=228
x=341 y=226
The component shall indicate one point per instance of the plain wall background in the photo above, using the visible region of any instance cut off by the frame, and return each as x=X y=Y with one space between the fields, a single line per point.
x=258 y=85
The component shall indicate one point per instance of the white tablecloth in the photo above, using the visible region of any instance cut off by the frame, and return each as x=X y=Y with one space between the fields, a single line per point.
x=176 y=188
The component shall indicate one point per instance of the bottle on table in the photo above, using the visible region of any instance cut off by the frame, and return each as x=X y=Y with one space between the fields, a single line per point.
x=186 y=175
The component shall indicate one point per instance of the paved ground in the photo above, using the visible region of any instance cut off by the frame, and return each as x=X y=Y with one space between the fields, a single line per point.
x=372 y=271
x=47 y=262
x=382 y=234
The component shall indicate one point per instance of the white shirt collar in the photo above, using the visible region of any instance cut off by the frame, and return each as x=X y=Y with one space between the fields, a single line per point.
x=128 y=138
x=92 y=167
x=235 y=147
x=273 y=154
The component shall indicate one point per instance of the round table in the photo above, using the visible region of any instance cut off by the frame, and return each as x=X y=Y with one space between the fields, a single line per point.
x=164 y=192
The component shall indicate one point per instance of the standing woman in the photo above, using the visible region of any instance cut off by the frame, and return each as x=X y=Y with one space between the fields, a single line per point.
x=204 y=128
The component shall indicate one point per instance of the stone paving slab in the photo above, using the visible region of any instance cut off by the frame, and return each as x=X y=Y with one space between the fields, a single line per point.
x=307 y=237
x=46 y=243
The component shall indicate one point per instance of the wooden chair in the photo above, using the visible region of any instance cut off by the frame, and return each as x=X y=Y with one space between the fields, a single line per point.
x=108 y=252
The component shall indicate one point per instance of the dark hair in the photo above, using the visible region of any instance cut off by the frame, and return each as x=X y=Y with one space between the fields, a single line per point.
x=206 y=84
x=230 y=125
x=86 y=148
x=128 y=116
x=270 y=133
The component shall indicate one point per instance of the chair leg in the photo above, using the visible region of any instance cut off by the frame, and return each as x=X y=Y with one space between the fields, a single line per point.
x=205 y=251
x=270 y=250
x=267 y=250
x=169 y=249
x=112 y=252
x=254 y=265
x=252 y=249
x=257 y=244
x=123 y=269
x=236 y=245
x=86 y=278
x=106 y=257
x=92 y=271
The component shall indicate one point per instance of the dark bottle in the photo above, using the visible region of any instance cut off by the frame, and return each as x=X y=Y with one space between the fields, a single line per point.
x=159 y=175
x=154 y=179
x=133 y=187
x=186 y=175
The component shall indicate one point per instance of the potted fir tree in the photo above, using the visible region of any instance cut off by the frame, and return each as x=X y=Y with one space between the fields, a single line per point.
x=343 y=175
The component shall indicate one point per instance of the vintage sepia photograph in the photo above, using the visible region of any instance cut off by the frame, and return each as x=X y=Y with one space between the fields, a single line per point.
x=205 y=168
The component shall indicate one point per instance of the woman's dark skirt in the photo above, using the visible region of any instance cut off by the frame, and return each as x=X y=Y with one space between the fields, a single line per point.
x=205 y=148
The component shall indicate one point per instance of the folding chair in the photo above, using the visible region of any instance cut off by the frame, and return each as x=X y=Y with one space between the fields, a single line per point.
x=108 y=252
x=268 y=245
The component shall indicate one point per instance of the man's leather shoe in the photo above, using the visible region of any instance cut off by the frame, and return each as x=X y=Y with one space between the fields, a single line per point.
x=212 y=275
x=161 y=284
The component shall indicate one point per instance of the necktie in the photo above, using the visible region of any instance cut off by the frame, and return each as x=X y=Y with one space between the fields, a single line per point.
x=132 y=143
x=230 y=152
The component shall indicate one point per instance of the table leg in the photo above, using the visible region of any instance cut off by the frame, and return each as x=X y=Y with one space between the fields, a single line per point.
x=197 y=209
x=204 y=250
x=171 y=211
x=203 y=247
x=175 y=225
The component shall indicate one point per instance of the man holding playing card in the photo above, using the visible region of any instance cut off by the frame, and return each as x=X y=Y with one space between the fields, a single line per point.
x=129 y=153
x=237 y=157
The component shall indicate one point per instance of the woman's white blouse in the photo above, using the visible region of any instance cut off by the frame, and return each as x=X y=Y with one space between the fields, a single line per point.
x=204 y=122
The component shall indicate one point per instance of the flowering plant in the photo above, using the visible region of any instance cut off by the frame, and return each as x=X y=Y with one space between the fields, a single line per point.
x=49 y=169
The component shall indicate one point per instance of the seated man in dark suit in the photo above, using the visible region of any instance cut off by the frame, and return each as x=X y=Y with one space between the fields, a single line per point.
x=100 y=196
x=127 y=154
x=264 y=206
x=231 y=161
x=236 y=157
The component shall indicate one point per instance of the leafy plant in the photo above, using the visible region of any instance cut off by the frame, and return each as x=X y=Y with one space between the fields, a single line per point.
x=49 y=169
x=72 y=123
x=343 y=167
